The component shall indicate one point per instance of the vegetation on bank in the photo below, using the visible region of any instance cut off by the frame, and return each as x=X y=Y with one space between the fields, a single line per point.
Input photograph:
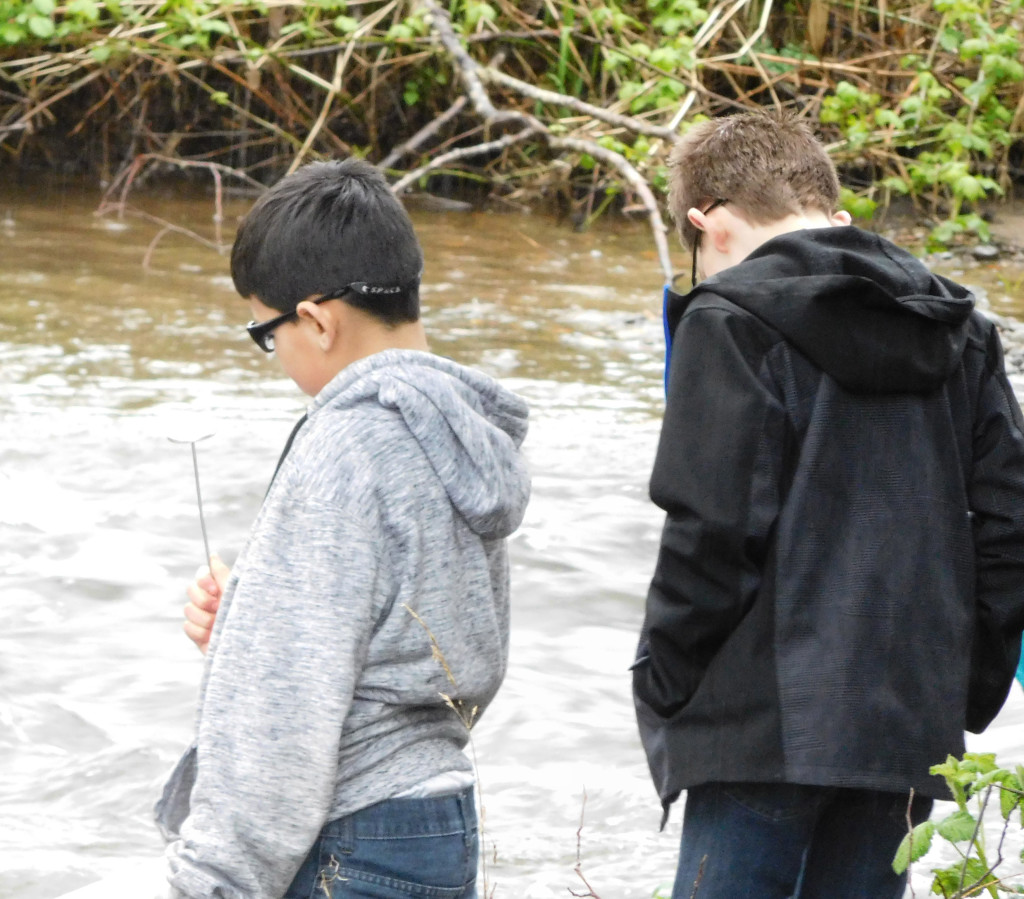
x=974 y=781
x=575 y=101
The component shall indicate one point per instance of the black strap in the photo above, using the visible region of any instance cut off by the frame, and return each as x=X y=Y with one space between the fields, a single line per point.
x=284 y=452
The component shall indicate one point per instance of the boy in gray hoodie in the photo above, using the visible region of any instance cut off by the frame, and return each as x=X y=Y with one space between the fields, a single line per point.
x=329 y=735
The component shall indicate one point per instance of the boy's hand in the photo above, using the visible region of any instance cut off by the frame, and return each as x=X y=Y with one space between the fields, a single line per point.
x=204 y=595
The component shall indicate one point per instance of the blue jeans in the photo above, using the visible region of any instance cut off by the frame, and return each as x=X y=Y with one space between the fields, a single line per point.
x=397 y=849
x=790 y=841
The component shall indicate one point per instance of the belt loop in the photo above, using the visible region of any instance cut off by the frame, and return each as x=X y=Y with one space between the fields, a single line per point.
x=347 y=837
x=467 y=804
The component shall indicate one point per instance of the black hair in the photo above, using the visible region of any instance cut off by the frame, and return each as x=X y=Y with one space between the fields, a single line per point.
x=327 y=225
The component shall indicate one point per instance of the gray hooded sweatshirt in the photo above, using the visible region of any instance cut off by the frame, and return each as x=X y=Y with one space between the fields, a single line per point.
x=383 y=532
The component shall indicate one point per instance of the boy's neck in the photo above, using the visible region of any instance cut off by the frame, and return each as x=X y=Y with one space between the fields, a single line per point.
x=374 y=337
x=752 y=238
x=729 y=236
x=327 y=338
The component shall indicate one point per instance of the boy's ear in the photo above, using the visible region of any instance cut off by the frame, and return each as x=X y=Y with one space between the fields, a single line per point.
x=716 y=229
x=696 y=218
x=842 y=218
x=323 y=317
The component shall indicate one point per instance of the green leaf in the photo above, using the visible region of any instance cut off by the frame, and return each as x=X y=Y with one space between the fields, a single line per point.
x=999 y=775
x=346 y=24
x=858 y=206
x=1008 y=801
x=887 y=118
x=948 y=880
x=215 y=26
x=12 y=33
x=943 y=234
x=41 y=27
x=84 y=9
x=611 y=143
x=950 y=40
x=1002 y=69
x=898 y=185
x=957 y=827
x=629 y=90
x=968 y=187
x=44 y=7
x=977 y=91
x=915 y=844
x=973 y=47
x=847 y=91
x=613 y=59
x=911 y=105
x=665 y=58
x=975 y=224
x=477 y=12
x=978 y=144
x=400 y=32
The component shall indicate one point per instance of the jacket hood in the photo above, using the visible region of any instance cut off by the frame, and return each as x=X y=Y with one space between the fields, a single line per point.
x=468 y=426
x=863 y=310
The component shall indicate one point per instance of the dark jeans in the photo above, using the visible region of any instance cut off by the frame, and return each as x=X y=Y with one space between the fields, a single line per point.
x=397 y=849
x=788 y=841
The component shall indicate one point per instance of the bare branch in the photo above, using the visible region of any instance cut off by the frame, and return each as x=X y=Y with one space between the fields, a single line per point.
x=635 y=180
x=638 y=126
x=589 y=894
x=466 y=66
x=493 y=146
x=424 y=134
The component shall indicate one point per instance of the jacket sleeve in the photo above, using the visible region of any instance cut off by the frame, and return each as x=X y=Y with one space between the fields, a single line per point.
x=281 y=678
x=996 y=496
x=716 y=475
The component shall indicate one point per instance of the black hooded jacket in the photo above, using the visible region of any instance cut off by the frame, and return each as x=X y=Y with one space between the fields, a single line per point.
x=840 y=587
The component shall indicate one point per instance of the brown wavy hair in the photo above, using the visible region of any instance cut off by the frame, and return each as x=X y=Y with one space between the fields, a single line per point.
x=766 y=164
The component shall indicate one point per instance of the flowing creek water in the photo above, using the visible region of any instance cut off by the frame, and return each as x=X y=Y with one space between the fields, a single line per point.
x=102 y=358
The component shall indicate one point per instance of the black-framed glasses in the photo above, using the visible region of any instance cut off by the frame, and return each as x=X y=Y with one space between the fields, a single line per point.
x=262 y=333
x=696 y=241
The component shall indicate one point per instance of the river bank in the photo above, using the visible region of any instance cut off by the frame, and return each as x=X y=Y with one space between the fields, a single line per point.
x=574 y=104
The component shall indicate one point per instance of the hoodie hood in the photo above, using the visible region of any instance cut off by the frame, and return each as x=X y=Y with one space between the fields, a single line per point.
x=863 y=310
x=468 y=426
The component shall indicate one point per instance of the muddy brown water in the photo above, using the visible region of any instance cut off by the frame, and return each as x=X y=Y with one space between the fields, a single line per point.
x=102 y=358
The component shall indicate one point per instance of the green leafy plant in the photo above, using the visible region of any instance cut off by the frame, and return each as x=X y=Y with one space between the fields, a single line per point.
x=949 y=136
x=649 y=57
x=974 y=781
x=37 y=22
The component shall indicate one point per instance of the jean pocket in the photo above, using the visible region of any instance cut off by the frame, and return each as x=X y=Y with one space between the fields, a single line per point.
x=390 y=872
x=777 y=802
x=402 y=849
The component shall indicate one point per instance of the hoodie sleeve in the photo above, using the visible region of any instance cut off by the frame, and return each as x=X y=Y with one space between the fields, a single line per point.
x=996 y=496
x=282 y=674
x=716 y=475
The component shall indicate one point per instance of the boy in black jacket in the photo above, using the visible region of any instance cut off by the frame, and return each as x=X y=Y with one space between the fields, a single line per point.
x=840 y=587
